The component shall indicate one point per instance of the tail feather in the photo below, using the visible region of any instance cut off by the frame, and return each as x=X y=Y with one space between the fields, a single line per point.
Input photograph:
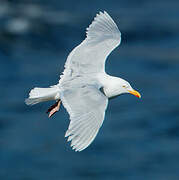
x=32 y=101
x=38 y=95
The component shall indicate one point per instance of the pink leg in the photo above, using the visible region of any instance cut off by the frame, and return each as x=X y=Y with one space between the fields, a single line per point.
x=53 y=109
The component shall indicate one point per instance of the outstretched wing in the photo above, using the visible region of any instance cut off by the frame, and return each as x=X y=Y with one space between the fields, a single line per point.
x=103 y=36
x=86 y=106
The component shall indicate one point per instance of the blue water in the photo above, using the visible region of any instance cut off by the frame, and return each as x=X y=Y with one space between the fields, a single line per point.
x=139 y=138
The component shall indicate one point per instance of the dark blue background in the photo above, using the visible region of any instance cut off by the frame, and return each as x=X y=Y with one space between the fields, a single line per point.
x=139 y=138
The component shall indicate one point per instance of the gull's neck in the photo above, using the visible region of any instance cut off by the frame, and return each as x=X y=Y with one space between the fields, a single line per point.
x=109 y=84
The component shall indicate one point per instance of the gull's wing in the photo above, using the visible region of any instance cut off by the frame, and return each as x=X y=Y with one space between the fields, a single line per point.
x=102 y=36
x=86 y=106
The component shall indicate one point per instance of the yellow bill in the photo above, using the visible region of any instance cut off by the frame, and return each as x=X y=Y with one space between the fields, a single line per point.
x=135 y=93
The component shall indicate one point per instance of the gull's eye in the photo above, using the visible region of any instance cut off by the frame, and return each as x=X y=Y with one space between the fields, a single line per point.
x=124 y=86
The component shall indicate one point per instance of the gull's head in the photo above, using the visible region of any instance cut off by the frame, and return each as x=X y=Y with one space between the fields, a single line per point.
x=117 y=86
x=125 y=87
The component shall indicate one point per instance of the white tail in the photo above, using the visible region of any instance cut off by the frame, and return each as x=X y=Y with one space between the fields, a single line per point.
x=38 y=95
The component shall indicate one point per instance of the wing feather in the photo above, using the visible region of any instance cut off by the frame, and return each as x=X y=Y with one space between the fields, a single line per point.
x=102 y=36
x=103 y=26
x=86 y=107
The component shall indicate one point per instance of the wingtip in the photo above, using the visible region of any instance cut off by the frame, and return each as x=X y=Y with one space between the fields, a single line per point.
x=101 y=13
x=105 y=12
x=102 y=26
x=67 y=134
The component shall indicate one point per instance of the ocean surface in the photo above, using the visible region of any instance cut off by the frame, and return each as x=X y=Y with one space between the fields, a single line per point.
x=139 y=138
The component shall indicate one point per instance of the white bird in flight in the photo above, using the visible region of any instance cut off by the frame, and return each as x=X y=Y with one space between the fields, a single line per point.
x=84 y=88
